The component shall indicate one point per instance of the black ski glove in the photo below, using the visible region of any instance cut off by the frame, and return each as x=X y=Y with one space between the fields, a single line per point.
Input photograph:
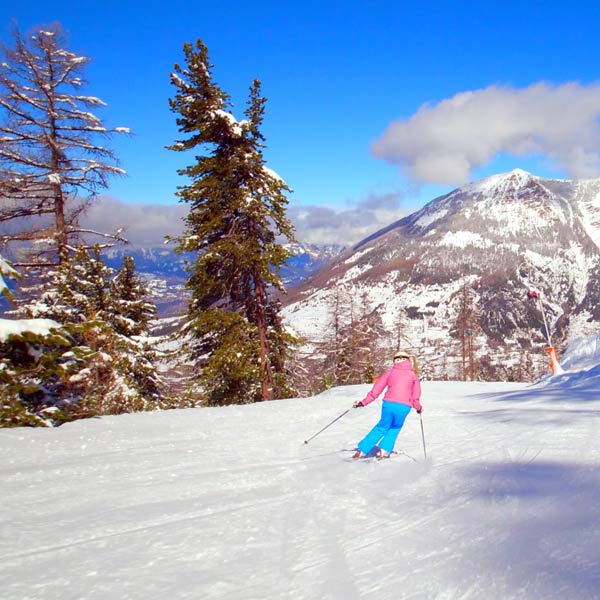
x=358 y=404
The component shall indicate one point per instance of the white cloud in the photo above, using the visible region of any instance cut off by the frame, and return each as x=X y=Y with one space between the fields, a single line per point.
x=442 y=143
x=348 y=226
x=145 y=224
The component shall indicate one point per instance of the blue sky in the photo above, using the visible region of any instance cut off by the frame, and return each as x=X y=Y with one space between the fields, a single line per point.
x=373 y=107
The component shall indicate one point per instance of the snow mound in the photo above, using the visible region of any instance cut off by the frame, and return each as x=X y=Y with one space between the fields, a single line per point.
x=583 y=354
x=581 y=364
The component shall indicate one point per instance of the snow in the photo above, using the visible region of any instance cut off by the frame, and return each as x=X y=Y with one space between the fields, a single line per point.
x=354 y=272
x=537 y=259
x=510 y=181
x=462 y=239
x=231 y=120
x=588 y=192
x=230 y=503
x=310 y=320
x=429 y=218
x=10 y=327
x=583 y=354
x=178 y=81
x=273 y=174
x=6 y=271
x=356 y=256
x=94 y=100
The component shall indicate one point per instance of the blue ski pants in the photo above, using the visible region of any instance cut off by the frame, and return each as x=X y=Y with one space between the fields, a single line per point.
x=385 y=433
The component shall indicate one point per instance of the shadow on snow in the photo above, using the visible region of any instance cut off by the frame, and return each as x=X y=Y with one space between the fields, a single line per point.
x=545 y=520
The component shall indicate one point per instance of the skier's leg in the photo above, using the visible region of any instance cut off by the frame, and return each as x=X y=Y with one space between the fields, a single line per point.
x=399 y=413
x=372 y=438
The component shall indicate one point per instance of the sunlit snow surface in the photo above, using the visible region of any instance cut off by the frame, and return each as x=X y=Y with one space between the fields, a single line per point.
x=229 y=503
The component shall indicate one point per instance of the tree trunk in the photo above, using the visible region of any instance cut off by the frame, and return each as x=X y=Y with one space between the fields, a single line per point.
x=59 y=199
x=266 y=374
x=59 y=215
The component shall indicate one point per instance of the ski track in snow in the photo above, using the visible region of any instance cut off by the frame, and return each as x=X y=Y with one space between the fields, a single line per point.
x=229 y=503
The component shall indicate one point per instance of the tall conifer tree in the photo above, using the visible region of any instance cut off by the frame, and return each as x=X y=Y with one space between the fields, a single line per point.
x=237 y=212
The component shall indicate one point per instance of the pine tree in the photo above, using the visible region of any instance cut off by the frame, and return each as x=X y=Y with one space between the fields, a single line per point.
x=50 y=151
x=130 y=318
x=112 y=367
x=132 y=312
x=30 y=367
x=237 y=212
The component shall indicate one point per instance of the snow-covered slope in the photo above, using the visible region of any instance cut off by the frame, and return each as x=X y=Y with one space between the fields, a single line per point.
x=229 y=503
x=499 y=238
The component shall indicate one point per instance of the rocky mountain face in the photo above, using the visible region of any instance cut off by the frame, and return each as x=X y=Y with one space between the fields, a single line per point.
x=451 y=281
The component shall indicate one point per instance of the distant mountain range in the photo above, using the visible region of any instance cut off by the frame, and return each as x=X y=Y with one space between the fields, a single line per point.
x=466 y=261
x=164 y=270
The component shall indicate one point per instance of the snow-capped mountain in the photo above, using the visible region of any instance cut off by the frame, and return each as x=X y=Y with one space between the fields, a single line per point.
x=307 y=259
x=490 y=242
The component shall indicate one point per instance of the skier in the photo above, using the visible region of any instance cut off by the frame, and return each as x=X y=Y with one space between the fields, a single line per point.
x=403 y=393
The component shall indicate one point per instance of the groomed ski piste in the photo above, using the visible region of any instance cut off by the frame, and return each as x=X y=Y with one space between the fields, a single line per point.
x=229 y=503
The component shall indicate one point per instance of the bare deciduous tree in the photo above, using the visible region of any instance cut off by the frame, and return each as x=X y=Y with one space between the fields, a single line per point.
x=465 y=328
x=51 y=155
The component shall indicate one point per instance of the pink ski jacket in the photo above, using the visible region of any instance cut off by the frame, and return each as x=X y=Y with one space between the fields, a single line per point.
x=402 y=385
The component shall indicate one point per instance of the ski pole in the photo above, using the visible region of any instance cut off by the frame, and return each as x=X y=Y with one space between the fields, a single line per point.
x=326 y=426
x=423 y=436
x=545 y=321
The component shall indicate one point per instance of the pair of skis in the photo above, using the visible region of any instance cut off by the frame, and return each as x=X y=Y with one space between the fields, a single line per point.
x=374 y=457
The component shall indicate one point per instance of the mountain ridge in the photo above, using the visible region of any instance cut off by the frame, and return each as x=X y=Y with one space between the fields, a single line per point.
x=498 y=237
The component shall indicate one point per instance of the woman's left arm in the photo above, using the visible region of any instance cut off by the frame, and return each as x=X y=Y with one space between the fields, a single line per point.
x=416 y=395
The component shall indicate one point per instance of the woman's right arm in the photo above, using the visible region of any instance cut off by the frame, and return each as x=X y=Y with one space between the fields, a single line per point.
x=377 y=388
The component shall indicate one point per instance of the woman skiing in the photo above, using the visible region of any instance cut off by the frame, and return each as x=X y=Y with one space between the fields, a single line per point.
x=403 y=393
